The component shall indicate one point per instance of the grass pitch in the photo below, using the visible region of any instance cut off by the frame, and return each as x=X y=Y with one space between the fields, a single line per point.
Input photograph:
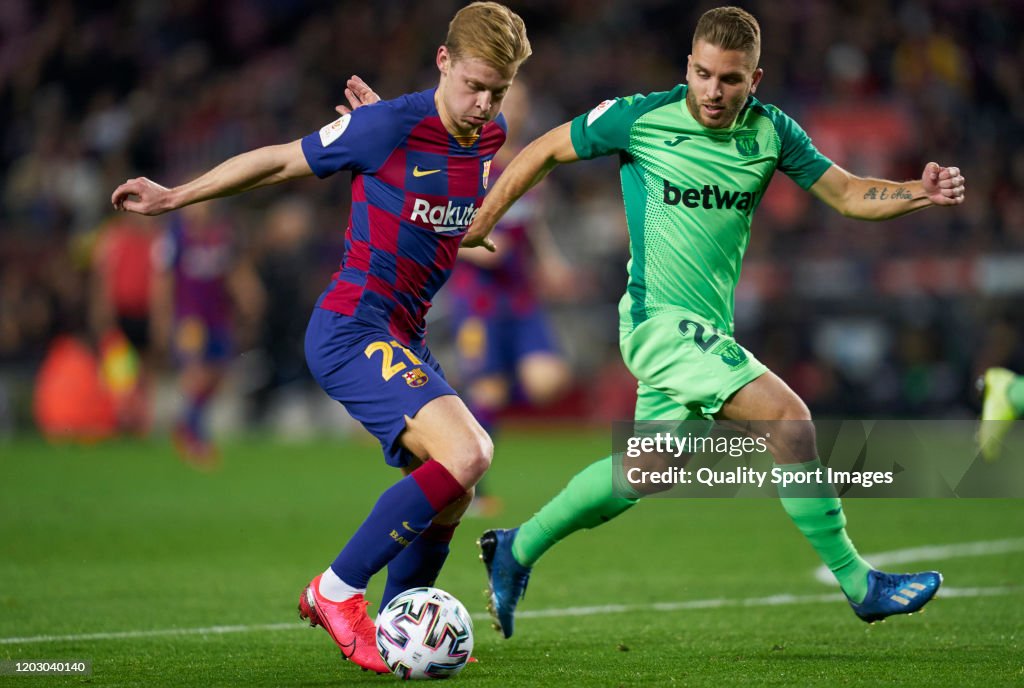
x=162 y=576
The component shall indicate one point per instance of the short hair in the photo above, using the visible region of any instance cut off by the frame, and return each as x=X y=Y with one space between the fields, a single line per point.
x=490 y=32
x=730 y=28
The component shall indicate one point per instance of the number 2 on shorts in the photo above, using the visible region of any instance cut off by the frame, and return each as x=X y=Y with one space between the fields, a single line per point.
x=387 y=350
x=702 y=342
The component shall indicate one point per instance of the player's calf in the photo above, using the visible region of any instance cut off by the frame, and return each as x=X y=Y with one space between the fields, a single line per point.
x=446 y=431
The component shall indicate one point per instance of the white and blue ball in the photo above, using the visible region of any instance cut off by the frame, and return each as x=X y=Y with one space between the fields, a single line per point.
x=425 y=633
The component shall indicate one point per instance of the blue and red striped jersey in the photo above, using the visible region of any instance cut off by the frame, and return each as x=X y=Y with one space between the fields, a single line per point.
x=415 y=191
x=201 y=256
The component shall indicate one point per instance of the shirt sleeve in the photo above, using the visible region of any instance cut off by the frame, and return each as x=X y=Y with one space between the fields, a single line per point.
x=605 y=129
x=360 y=141
x=798 y=158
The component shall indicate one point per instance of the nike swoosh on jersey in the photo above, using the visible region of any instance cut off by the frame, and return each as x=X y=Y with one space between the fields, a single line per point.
x=417 y=172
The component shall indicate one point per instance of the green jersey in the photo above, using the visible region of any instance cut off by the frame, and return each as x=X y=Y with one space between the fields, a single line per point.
x=690 y=194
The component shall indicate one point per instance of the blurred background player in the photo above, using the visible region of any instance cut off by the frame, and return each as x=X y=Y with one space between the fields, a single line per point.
x=285 y=256
x=1003 y=403
x=120 y=301
x=505 y=346
x=202 y=280
x=694 y=163
x=419 y=166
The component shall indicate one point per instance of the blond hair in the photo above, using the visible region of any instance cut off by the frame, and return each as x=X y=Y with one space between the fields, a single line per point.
x=490 y=32
x=730 y=28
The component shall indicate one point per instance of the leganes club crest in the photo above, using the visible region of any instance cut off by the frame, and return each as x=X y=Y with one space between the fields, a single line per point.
x=746 y=142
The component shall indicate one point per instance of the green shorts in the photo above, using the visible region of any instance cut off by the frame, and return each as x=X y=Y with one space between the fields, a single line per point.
x=686 y=367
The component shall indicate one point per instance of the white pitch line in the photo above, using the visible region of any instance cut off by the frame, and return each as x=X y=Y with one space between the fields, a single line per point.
x=932 y=553
x=154 y=633
x=716 y=603
x=719 y=603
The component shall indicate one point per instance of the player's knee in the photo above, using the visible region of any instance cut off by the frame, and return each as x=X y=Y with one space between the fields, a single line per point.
x=794 y=409
x=793 y=437
x=472 y=457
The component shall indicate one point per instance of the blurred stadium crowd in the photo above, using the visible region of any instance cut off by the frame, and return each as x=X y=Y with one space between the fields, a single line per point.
x=893 y=319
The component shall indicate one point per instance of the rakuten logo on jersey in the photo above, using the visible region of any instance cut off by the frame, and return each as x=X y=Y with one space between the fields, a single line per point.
x=443 y=218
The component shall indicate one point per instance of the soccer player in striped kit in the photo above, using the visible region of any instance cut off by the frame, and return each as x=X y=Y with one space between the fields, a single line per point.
x=420 y=165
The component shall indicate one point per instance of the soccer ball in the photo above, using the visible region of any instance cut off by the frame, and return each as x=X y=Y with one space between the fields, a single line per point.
x=424 y=633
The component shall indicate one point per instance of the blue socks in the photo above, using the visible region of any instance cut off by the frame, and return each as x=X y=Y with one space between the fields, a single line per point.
x=419 y=564
x=403 y=512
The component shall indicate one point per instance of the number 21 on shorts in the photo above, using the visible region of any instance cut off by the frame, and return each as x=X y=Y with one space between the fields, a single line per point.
x=388 y=368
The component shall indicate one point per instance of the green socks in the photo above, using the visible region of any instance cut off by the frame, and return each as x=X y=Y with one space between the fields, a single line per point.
x=1015 y=395
x=586 y=502
x=590 y=499
x=818 y=513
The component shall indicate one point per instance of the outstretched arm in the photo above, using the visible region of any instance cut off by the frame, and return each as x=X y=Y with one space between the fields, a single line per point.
x=865 y=198
x=523 y=173
x=251 y=170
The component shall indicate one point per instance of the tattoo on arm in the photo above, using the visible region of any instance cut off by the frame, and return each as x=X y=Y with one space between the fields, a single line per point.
x=900 y=193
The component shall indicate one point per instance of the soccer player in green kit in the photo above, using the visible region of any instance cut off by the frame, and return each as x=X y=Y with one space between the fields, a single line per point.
x=1003 y=403
x=694 y=162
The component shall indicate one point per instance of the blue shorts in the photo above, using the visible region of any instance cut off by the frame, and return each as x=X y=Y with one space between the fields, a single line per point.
x=195 y=340
x=376 y=379
x=494 y=345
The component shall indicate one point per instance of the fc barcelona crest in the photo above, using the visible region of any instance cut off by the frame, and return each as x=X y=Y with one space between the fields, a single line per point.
x=746 y=142
x=415 y=377
x=487 y=171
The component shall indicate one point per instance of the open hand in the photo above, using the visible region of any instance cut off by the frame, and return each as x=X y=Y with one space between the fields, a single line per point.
x=358 y=93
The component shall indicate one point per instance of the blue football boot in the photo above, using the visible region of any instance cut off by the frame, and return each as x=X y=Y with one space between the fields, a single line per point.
x=506 y=577
x=896 y=593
